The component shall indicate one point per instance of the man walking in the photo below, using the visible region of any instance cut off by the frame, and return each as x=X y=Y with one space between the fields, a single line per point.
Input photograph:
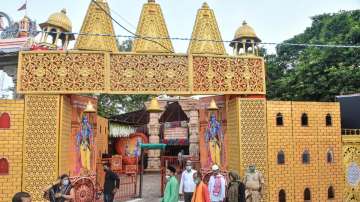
x=187 y=184
x=216 y=185
x=111 y=184
x=171 y=193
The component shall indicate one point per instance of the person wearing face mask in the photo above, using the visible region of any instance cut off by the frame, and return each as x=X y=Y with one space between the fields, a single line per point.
x=171 y=193
x=187 y=185
x=61 y=190
x=111 y=184
x=201 y=193
x=217 y=185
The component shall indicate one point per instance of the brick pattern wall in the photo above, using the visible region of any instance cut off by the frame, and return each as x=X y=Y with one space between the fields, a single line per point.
x=65 y=135
x=11 y=148
x=279 y=138
x=294 y=139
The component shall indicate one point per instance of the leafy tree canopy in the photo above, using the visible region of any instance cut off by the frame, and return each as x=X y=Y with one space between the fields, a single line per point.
x=318 y=73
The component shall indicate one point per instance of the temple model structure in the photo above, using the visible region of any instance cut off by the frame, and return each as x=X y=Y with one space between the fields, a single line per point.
x=297 y=146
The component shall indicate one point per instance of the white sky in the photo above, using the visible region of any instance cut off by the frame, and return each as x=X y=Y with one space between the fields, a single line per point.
x=273 y=20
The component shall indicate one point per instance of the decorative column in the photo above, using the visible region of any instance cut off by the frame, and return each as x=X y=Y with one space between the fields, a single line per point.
x=40 y=143
x=154 y=155
x=194 y=134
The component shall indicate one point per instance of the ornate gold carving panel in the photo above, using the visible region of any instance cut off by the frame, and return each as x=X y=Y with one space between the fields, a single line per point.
x=61 y=72
x=55 y=72
x=207 y=31
x=253 y=136
x=152 y=24
x=149 y=73
x=97 y=22
x=351 y=160
x=253 y=142
x=40 y=152
x=232 y=75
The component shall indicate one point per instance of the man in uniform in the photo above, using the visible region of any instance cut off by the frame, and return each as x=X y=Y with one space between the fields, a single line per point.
x=254 y=183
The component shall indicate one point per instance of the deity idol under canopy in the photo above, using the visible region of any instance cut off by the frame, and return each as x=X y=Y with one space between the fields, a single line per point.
x=84 y=138
x=215 y=142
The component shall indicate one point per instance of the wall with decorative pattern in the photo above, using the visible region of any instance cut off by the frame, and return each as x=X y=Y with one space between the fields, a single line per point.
x=55 y=72
x=292 y=138
x=351 y=156
x=250 y=118
x=11 y=143
x=40 y=147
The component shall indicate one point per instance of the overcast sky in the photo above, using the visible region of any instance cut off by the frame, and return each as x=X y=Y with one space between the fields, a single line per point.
x=273 y=20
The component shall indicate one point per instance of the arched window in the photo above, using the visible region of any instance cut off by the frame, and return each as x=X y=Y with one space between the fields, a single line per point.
x=4 y=121
x=331 y=193
x=281 y=158
x=4 y=166
x=307 y=194
x=306 y=157
x=279 y=119
x=282 y=196
x=304 y=120
x=330 y=156
x=328 y=120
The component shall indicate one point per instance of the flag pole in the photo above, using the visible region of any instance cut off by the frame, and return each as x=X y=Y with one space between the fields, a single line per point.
x=26 y=7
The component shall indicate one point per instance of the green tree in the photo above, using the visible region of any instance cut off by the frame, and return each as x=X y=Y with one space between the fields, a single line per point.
x=318 y=73
x=109 y=104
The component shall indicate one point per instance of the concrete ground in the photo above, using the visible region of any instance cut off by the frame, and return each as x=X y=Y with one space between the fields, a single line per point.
x=151 y=189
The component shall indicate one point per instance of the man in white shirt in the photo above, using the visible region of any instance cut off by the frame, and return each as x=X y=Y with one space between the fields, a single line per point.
x=216 y=185
x=187 y=184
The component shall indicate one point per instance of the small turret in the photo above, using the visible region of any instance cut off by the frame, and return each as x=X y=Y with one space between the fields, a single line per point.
x=245 y=40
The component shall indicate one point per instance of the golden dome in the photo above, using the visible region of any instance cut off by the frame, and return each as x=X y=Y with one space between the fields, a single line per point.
x=59 y=19
x=245 y=31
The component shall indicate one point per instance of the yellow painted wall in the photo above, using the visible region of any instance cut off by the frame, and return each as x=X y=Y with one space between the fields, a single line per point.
x=294 y=139
x=11 y=148
x=65 y=135
x=233 y=145
x=101 y=142
x=280 y=138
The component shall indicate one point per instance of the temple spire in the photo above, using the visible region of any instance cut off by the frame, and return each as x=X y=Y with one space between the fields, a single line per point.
x=206 y=28
x=152 y=24
x=97 y=22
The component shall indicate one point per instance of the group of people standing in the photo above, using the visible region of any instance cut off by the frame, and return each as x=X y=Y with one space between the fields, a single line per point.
x=193 y=189
x=63 y=191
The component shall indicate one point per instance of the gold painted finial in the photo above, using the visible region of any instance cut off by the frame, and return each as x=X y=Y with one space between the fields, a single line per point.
x=152 y=24
x=154 y=106
x=97 y=23
x=90 y=108
x=205 y=5
x=213 y=106
x=206 y=28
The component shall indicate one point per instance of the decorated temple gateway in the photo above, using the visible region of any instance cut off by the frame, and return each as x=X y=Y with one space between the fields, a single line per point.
x=297 y=146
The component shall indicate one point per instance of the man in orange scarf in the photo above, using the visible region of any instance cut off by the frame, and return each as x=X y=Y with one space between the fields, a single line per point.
x=201 y=193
